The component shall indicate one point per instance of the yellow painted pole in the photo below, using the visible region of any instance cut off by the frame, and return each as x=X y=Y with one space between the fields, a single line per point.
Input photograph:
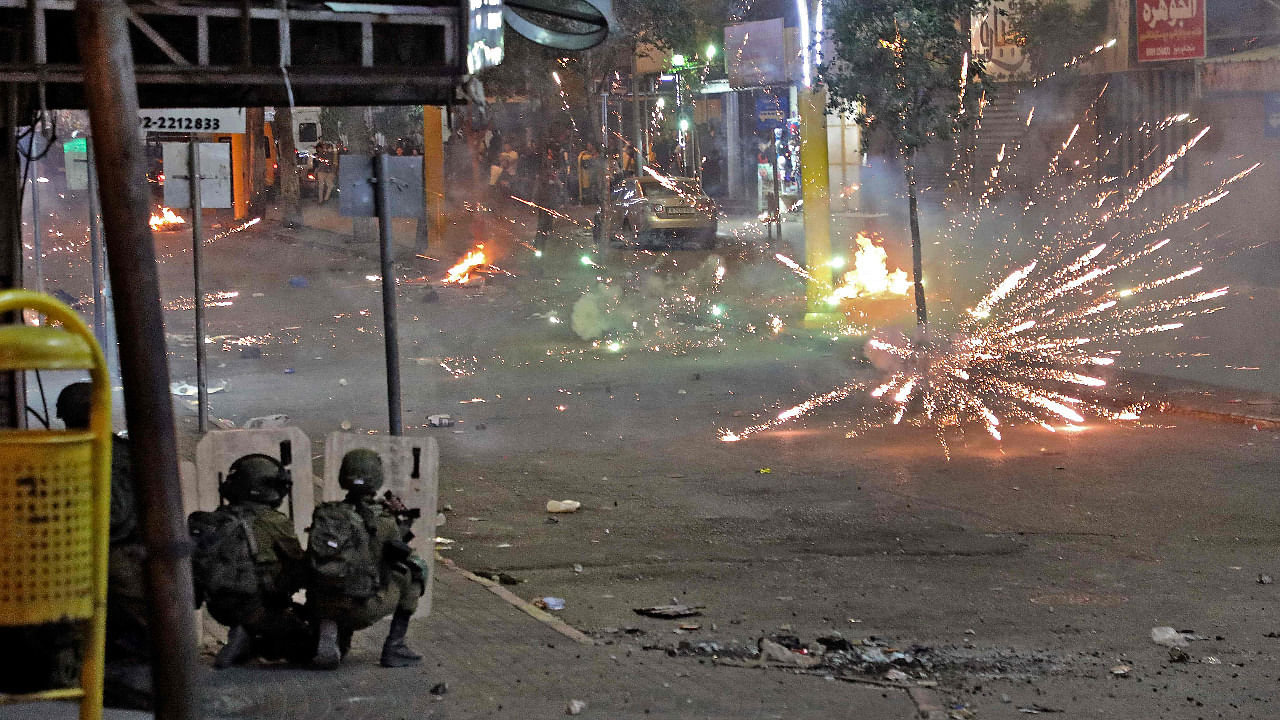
x=433 y=167
x=815 y=189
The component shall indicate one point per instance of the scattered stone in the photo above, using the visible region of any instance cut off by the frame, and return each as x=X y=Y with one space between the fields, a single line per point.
x=1121 y=671
x=1178 y=655
x=896 y=675
x=669 y=612
x=1005 y=698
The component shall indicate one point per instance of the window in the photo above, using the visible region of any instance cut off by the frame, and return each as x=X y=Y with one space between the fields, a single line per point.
x=308 y=132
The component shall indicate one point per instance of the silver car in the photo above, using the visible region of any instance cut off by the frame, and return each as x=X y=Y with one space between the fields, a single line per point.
x=651 y=212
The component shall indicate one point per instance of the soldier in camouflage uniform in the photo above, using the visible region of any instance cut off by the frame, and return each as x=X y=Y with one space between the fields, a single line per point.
x=248 y=564
x=362 y=568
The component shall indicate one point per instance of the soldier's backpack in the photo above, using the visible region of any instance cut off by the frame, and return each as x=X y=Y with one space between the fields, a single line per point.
x=223 y=560
x=340 y=552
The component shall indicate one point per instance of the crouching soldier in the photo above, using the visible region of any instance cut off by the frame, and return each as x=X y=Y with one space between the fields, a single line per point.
x=248 y=563
x=362 y=568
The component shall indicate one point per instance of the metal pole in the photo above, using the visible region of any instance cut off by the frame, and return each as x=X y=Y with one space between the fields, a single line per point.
x=775 y=205
x=111 y=94
x=37 y=242
x=636 y=117
x=95 y=253
x=381 y=183
x=815 y=188
x=197 y=253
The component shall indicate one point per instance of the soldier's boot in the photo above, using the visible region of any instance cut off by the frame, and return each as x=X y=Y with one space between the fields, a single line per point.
x=236 y=651
x=327 y=655
x=395 y=653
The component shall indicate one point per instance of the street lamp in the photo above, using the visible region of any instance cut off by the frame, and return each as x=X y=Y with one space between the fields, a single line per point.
x=711 y=52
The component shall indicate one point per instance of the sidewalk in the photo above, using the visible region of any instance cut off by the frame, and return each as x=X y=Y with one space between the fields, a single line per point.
x=498 y=661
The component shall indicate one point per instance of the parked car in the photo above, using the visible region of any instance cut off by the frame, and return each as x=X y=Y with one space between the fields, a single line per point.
x=652 y=212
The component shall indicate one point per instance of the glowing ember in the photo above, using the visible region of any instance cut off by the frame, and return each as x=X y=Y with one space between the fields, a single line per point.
x=870 y=274
x=167 y=219
x=463 y=272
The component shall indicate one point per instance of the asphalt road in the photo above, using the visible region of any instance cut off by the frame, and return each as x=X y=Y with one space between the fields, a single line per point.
x=1029 y=567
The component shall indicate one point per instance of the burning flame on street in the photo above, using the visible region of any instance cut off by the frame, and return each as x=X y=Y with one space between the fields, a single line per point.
x=870 y=274
x=461 y=273
x=167 y=219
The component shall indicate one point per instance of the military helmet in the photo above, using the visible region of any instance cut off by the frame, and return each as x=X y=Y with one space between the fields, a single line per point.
x=256 y=478
x=361 y=472
x=73 y=405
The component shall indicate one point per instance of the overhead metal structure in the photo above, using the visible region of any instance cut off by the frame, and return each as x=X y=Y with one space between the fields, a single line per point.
x=237 y=54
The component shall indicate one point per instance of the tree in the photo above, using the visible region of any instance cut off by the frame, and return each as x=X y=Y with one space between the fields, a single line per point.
x=287 y=167
x=900 y=69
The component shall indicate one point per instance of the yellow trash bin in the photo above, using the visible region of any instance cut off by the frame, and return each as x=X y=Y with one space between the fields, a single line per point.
x=55 y=501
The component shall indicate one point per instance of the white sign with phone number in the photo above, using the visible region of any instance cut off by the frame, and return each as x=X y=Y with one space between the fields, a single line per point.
x=216 y=120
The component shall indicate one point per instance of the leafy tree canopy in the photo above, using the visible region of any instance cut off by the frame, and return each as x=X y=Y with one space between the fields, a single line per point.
x=1054 y=31
x=897 y=67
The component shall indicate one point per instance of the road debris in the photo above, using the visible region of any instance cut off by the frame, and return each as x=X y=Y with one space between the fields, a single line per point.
x=499 y=576
x=1121 y=671
x=896 y=675
x=575 y=707
x=670 y=611
x=1037 y=710
x=440 y=688
x=776 y=652
x=1264 y=579
x=1178 y=655
x=440 y=420
x=1168 y=637
x=549 y=603
x=764 y=471
x=297 y=281
x=267 y=421
x=563 y=506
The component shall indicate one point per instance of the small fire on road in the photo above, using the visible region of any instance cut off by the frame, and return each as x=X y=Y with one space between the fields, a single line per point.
x=870 y=274
x=468 y=268
x=165 y=220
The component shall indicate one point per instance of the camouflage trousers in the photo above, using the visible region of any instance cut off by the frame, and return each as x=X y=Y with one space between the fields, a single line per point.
x=399 y=592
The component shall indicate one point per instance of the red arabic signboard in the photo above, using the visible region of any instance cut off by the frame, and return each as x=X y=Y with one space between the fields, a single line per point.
x=1170 y=30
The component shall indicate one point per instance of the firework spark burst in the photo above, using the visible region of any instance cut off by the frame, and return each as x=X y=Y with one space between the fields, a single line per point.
x=1033 y=347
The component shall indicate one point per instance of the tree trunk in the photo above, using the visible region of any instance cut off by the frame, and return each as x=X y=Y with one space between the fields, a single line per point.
x=287 y=172
x=253 y=119
x=917 y=265
x=356 y=126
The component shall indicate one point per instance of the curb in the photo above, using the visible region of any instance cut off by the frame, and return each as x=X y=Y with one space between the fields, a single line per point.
x=1261 y=423
x=515 y=601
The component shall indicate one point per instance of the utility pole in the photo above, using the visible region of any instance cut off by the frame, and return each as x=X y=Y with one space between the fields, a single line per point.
x=111 y=94
x=814 y=183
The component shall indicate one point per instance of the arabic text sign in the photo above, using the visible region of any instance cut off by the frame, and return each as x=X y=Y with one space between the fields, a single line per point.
x=993 y=39
x=1170 y=30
